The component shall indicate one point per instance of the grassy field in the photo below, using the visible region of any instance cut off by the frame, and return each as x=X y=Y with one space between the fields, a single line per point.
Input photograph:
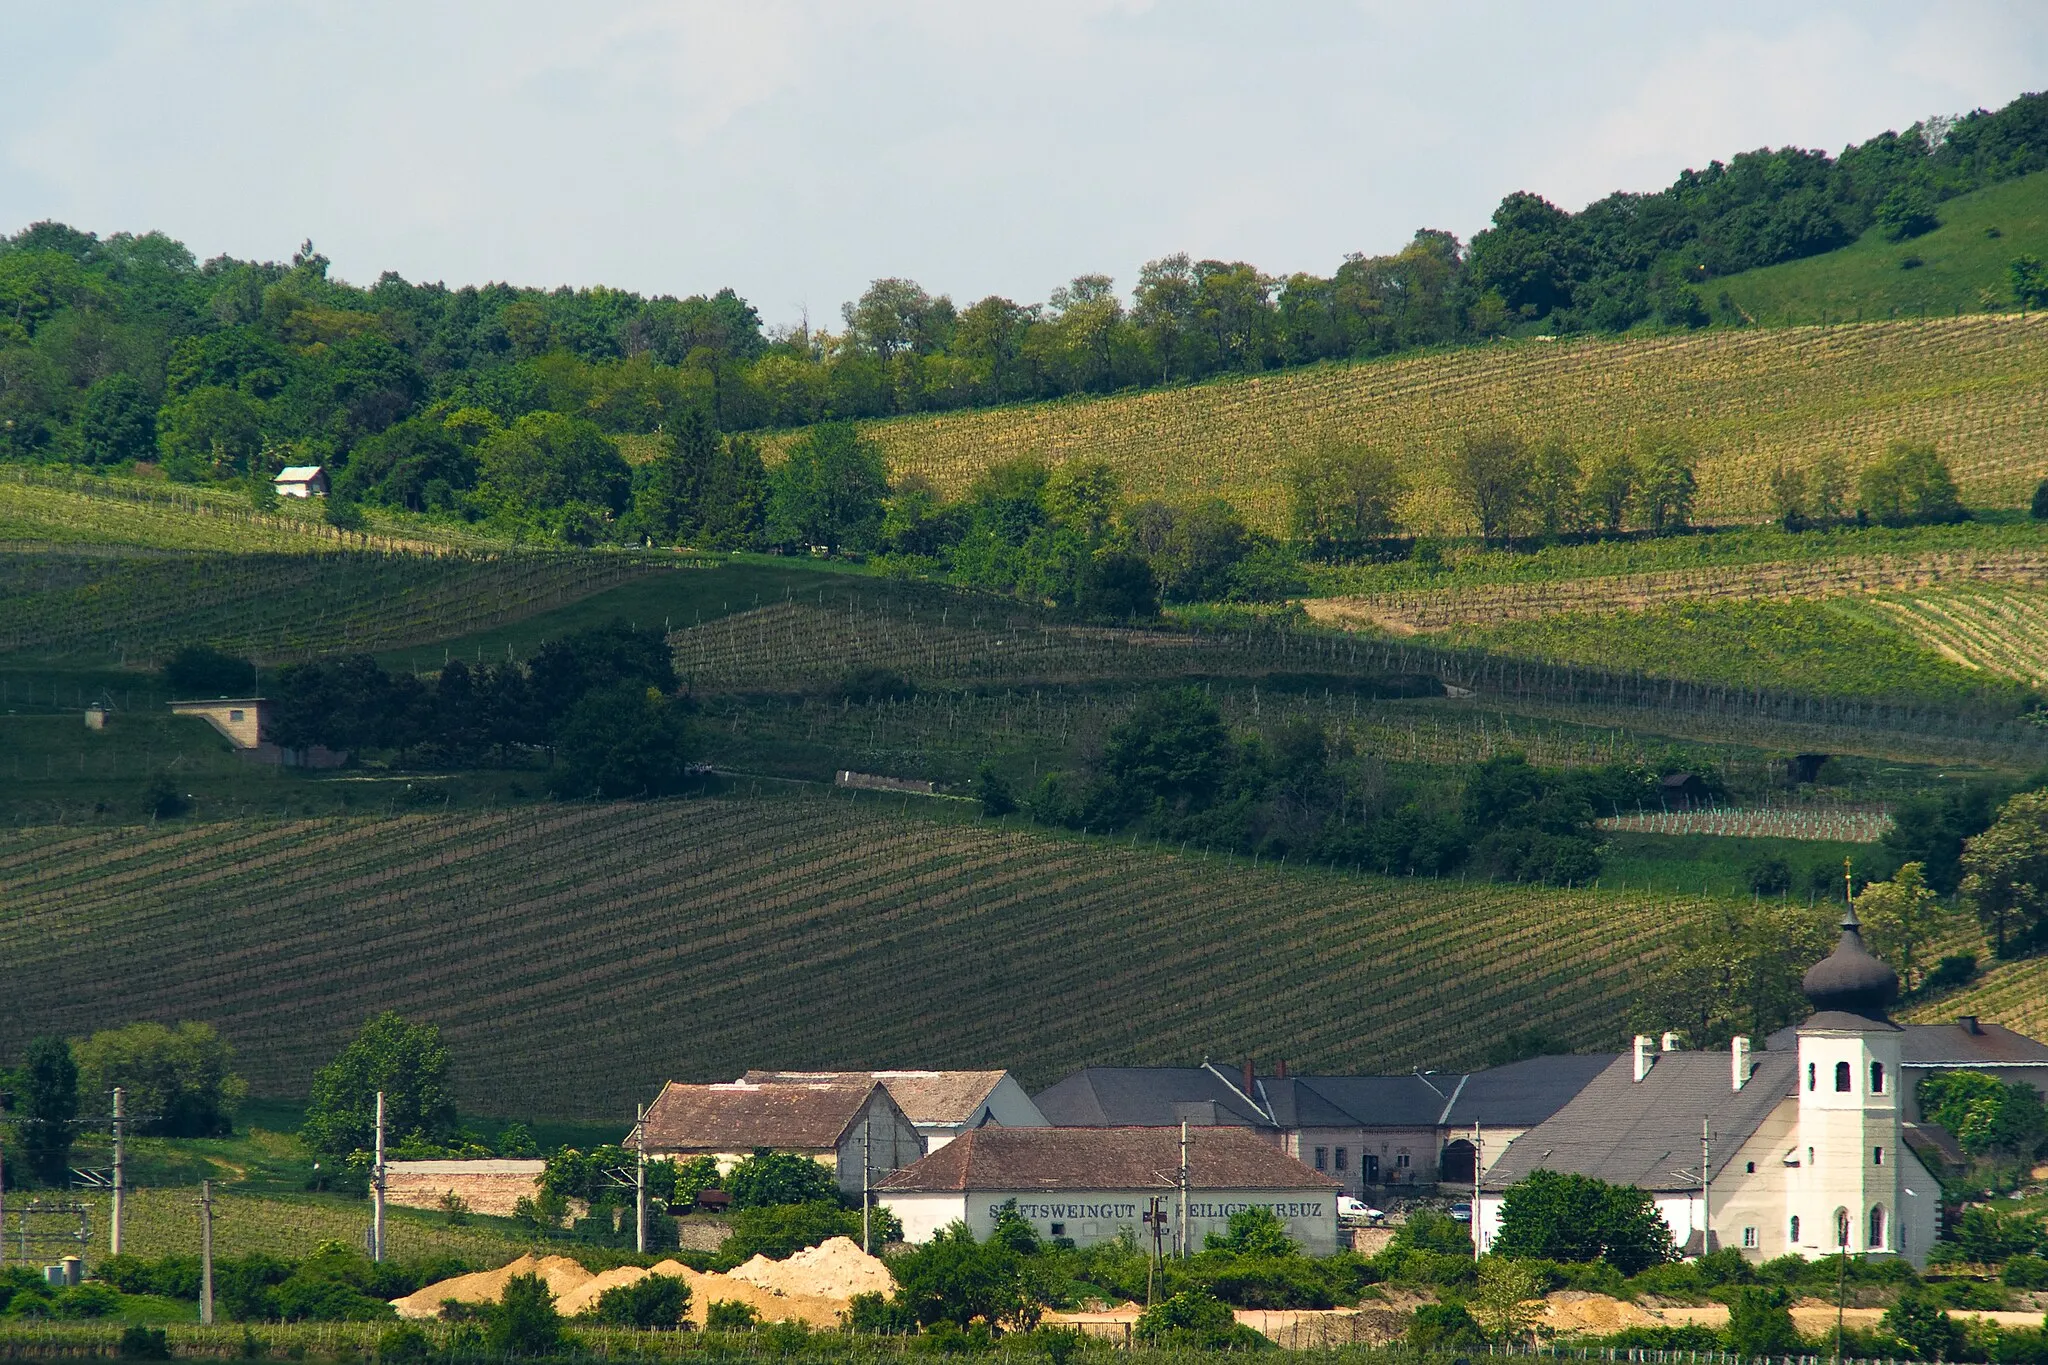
x=1746 y=398
x=577 y=956
x=1961 y=262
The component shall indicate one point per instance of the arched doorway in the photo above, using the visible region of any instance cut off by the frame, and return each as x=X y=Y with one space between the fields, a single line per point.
x=1458 y=1163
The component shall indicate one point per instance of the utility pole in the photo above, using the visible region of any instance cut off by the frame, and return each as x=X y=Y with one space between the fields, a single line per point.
x=119 y=1182
x=377 y=1188
x=640 y=1181
x=1478 y=1175
x=206 y=1252
x=3 y=1206
x=1183 y=1189
x=1706 y=1188
x=867 y=1166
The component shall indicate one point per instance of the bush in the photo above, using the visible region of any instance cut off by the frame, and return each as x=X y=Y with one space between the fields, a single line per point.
x=783 y=1229
x=404 y=1344
x=88 y=1301
x=1444 y=1329
x=525 y=1322
x=144 y=1343
x=1760 y=1322
x=878 y=1315
x=1194 y=1319
x=1918 y=1320
x=1769 y=876
x=730 y=1315
x=650 y=1301
x=2039 y=506
x=2025 y=1272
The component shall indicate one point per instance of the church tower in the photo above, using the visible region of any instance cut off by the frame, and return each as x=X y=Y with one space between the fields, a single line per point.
x=1846 y=1187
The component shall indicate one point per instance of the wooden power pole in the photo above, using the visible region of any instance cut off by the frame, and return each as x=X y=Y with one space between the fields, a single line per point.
x=114 y=1234
x=206 y=1252
x=377 y=1188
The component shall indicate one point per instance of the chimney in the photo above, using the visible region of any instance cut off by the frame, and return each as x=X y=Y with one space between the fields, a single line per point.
x=1644 y=1057
x=1968 y=1023
x=1670 y=1041
x=1739 y=1060
x=1248 y=1075
x=1282 y=1070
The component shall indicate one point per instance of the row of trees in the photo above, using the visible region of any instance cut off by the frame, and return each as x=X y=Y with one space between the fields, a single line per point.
x=126 y=348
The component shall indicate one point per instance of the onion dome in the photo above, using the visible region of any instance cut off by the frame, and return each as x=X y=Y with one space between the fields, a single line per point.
x=1849 y=980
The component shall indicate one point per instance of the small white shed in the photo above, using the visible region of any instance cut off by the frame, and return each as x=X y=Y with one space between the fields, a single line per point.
x=301 y=481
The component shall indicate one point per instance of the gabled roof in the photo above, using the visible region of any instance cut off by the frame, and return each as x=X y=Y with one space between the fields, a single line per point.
x=1147 y=1096
x=1021 y=1159
x=927 y=1097
x=298 y=473
x=738 y=1117
x=1951 y=1045
x=1521 y=1094
x=1353 y=1101
x=1647 y=1133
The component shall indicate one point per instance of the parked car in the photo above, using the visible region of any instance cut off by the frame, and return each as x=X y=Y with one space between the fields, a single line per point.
x=1354 y=1213
x=1461 y=1213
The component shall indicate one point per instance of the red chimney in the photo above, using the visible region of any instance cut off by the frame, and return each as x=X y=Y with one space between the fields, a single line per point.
x=1247 y=1075
x=1283 y=1069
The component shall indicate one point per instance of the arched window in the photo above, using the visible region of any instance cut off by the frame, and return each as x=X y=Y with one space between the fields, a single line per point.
x=1877 y=1078
x=1842 y=1228
x=1844 y=1077
x=1795 y=1229
x=1876 y=1227
x=1809 y=1076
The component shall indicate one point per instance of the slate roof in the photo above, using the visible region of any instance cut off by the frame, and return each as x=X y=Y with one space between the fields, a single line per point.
x=1147 y=1096
x=1522 y=1094
x=1949 y=1045
x=1644 y=1133
x=927 y=1097
x=1352 y=1101
x=738 y=1118
x=1005 y=1159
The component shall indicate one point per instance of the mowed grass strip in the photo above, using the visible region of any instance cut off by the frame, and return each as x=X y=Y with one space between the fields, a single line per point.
x=578 y=956
x=1747 y=399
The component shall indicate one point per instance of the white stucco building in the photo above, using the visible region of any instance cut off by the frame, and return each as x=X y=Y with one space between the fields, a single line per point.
x=1803 y=1149
x=1090 y=1185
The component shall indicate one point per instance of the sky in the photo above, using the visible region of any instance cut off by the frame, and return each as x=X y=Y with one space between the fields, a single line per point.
x=796 y=151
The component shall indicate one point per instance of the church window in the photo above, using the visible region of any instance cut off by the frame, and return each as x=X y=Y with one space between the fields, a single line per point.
x=1749 y=1168
x=1877 y=1227
x=1877 y=1156
x=1841 y=1227
x=1877 y=1078
x=1810 y=1082
x=1795 y=1227
x=1844 y=1078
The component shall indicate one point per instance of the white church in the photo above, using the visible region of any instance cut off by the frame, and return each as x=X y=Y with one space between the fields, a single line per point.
x=1773 y=1152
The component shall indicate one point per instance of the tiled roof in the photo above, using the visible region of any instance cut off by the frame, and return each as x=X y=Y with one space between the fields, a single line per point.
x=1647 y=1133
x=928 y=1097
x=1020 y=1159
x=737 y=1118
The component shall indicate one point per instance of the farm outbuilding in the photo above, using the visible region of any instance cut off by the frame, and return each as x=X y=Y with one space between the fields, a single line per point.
x=1091 y=1184
x=943 y=1104
x=301 y=481
x=834 y=1124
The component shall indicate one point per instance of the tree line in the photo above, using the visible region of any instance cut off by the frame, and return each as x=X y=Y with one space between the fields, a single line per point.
x=125 y=348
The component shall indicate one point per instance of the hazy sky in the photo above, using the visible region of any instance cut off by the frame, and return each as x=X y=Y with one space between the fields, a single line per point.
x=795 y=151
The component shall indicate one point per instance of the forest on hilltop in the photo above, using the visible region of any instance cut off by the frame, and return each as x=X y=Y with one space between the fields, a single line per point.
x=125 y=348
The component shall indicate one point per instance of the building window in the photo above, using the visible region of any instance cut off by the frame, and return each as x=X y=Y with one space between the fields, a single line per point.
x=1371 y=1168
x=1877 y=1156
x=1400 y=1161
x=1795 y=1229
x=1877 y=1227
x=1749 y=1238
x=234 y=717
x=1322 y=1158
x=1809 y=1156
x=1749 y=1168
x=1059 y=1229
x=1843 y=1077
x=1343 y=1158
x=1877 y=1078
x=1809 y=1076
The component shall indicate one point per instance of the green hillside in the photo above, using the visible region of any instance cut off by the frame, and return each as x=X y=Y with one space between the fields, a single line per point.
x=1962 y=265
x=578 y=955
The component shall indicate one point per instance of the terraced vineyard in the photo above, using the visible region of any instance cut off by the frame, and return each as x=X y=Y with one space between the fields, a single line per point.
x=1748 y=399
x=1433 y=609
x=44 y=508
x=139 y=607
x=2012 y=993
x=576 y=956
x=2002 y=630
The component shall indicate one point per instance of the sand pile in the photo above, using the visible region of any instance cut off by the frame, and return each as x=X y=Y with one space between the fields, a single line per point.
x=561 y=1274
x=1572 y=1311
x=814 y=1286
x=834 y=1269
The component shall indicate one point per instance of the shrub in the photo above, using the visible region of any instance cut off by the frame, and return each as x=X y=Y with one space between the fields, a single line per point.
x=2038 y=508
x=1194 y=1319
x=1576 y=1218
x=1760 y=1322
x=650 y=1301
x=730 y=1315
x=88 y=1301
x=1769 y=876
x=525 y=1322
x=1444 y=1329
x=144 y=1343
x=1918 y=1320
x=406 y=1343
x=2025 y=1272
x=783 y=1229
